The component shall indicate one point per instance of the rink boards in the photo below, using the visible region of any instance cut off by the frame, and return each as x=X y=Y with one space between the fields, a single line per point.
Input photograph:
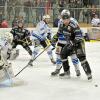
x=93 y=32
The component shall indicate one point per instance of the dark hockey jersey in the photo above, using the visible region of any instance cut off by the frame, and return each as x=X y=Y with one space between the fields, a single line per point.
x=19 y=33
x=71 y=31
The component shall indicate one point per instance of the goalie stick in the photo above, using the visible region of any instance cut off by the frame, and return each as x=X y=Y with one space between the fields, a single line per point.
x=8 y=75
x=31 y=60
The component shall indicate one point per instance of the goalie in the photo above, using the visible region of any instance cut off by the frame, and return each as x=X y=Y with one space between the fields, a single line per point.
x=6 y=71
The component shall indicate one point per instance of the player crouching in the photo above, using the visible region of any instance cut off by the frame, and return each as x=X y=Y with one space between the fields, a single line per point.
x=6 y=71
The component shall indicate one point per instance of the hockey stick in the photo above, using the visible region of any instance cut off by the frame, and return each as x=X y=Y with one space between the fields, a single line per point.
x=8 y=76
x=31 y=60
x=25 y=41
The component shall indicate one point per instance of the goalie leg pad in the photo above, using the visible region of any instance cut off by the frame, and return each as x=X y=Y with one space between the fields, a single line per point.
x=6 y=73
x=2 y=75
x=14 y=54
x=10 y=70
x=1 y=64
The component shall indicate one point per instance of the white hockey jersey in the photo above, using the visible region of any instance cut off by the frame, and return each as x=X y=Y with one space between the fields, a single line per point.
x=41 y=31
x=5 y=47
x=6 y=71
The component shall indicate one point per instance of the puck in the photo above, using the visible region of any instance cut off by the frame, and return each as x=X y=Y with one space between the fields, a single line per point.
x=96 y=85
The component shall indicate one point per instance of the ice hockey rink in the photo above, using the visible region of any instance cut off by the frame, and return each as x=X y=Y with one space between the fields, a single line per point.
x=36 y=83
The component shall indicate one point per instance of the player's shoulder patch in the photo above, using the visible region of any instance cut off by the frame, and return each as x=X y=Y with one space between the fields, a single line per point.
x=15 y=29
x=26 y=31
x=73 y=24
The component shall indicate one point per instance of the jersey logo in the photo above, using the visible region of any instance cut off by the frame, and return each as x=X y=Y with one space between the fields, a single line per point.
x=66 y=33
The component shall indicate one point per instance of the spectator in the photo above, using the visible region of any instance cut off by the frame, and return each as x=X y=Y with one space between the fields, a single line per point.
x=55 y=23
x=55 y=10
x=93 y=11
x=28 y=10
x=72 y=5
x=0 y=24
x=61 y=6
x=78 y=10
x=40 y=11
x=4 y=23
x=95 y=21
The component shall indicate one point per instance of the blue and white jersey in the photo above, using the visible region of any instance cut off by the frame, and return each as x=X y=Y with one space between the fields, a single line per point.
x=61 y=38
x=60 y=22
x=75 y=29
x=74 y=20
x=41 y=31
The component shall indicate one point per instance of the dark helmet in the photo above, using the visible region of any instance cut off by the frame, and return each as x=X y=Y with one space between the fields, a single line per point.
x=20 y=22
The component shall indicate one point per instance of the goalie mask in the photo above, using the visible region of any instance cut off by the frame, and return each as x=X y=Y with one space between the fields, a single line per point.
x=8 y=36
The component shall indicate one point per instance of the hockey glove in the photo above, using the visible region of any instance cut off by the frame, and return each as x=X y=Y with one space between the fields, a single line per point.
x=49 y=36
x=77 y=42
x=16 y=38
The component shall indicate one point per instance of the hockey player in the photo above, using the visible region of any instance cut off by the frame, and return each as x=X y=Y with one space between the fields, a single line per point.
x=21 y=36
x=60 y=39
x=5 y=48
x=41 y=36
x=74 y=43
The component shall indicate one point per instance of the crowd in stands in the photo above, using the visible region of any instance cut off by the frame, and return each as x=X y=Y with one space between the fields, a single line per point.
x=33 y=10
x=4 y=23
x=95 y=21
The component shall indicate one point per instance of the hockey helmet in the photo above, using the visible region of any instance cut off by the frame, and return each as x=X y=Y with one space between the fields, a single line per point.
x=8 y=36
x=65 y=14
x=46 y=17
x=20 y=23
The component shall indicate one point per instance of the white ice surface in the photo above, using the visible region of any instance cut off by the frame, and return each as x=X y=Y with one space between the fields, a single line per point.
x=37 y=84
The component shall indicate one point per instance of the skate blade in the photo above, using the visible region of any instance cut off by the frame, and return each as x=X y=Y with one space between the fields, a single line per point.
x=78 y=76
x=64 y=77
x=54 y=75
x=90 y=80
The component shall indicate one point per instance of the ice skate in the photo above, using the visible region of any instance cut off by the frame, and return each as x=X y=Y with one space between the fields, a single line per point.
x=56 y=72
x=52 y=60
x=65 y=75
x=89 y=77
x=78 y=74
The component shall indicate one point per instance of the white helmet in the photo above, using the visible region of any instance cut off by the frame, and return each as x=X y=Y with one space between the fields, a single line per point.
x=8 y=36
x=46 y=17
x=66 y=13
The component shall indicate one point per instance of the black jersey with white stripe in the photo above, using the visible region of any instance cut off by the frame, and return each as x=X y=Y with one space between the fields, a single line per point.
x=72 y=30
x=21 y=33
